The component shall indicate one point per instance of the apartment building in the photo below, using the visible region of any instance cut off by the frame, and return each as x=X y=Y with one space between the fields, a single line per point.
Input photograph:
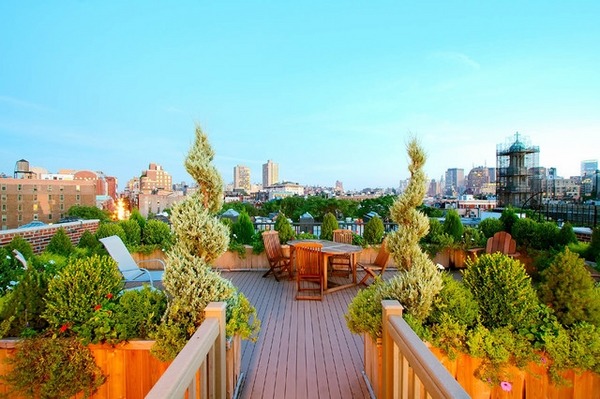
x=25 y=200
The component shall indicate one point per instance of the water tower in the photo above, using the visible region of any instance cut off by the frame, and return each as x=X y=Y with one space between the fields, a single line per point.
x=22 y=170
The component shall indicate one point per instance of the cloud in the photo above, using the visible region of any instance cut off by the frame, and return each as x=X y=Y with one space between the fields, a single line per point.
x=456 y=57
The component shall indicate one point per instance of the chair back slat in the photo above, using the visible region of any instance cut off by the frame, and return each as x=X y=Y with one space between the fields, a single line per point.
x=342 y=236
x=383 y=255
x=272 y=245
x=309 y=259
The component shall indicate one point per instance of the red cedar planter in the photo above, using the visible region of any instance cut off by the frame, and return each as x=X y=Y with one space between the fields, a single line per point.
x=531 y=383
x=130 y=368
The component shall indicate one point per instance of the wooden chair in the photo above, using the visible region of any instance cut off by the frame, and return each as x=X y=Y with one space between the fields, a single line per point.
x=341 y=265
x=502 y=242
x=278 y=262
x=378 y=266
x=309 y=270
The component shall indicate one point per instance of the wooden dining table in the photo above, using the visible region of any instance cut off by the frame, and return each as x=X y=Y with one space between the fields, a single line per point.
x=334 y=248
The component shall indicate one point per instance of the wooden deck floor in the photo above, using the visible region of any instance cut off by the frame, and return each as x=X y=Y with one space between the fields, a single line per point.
x=304 y=349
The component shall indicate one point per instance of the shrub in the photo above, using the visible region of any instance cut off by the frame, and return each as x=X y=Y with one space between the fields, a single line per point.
x=89 y=241
x=110 y=229
x=503 y=291
x=508 y=219
x=593 y=253
x=473 y=238
x=365 y=311
x=568 y=288
x=25 y=304
x=133 y=232
x=50 y=263
x=546 y=236
x=330 y=223
x=454 y=301
x=138 y=313
x=490 y=226
x=374 y=230
x=53 y=368
x=157 y=233
x=566 y=236
x=60 y=243
x=285 y=229
x=453 y=225
x=21 y=245
x=525 y=232
x=80 y=298
x=139 y=219
x=10 y=270
x=243 y=229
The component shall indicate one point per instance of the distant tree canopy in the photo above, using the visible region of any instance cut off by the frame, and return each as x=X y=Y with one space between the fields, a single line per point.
x=88 y=212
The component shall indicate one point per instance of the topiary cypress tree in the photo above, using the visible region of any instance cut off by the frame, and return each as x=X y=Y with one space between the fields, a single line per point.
x=200 y=238
x=330 y=223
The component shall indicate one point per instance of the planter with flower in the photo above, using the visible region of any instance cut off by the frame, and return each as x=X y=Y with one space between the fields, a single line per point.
x=494 y=331
x=90 y=336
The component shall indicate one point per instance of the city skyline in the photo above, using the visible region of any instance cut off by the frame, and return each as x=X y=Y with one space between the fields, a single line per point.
x=331 y=92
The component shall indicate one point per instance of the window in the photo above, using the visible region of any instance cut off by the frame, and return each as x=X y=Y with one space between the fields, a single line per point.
x=34 y=187
x=77 y=197
x=62 y=207
x=3 y=197
x=20 y=207
x=35 y=197
x=4 y=187
x=49 y=187
x=4 y=218
x=62 y=197
x=61 y=188
x=35 y=207
x=35 y=216
x=50 y=217
x=78 y=188
x=20 y=218
x=19 y=197
x=18 y=187
x=49 y=197
x=4 y=207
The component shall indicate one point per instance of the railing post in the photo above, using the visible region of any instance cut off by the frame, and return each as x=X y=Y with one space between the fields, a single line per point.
x=217 y=310
x=390 y=308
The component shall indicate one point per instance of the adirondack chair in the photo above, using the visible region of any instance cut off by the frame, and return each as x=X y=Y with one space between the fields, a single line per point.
x=378 y=266
x=309 y=270
x=502 y=242
x=278 y=262
x=341 y=265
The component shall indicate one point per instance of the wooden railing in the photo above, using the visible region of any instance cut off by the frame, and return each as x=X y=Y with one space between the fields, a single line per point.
x=410 y=370
x=198 y=371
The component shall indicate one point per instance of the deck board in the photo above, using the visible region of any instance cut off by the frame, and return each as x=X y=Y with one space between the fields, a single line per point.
x=304 y=349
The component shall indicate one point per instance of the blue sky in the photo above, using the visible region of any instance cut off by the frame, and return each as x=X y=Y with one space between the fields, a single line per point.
x=329 y=90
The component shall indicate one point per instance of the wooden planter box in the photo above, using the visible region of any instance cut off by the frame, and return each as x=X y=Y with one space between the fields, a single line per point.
x=532 y=383
x=156 y=254
x=130 y=368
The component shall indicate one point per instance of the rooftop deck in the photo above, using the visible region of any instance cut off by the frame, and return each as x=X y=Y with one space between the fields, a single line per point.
x=304 y=349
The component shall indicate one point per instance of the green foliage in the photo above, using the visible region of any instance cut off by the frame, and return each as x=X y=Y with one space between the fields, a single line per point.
x=473 y=238
x=243 y=229
x=284 y=227
x=88 y=212
x=546 y=236
x=330 y=223
x=455 y=303
x=49 y=263
x=244 y=320
x=453 y=225
x=138 y=313
x=525 y=231
x=568 y=288
x=133 y=232
x=60 y=243
x=157 y=232
x=490 y=226
x=503 y=291
x=21 y=245
x=53 y=368
x=89 y=241
x=10 y=270
x=374 y=231
x=435 y=240
x=508 y=218
x=139 y=219
x=566 y=236
x=593 y=253
x=81 y=298
x=25 y=304
x=365 y=311
x=200 y=238
x=110 y=229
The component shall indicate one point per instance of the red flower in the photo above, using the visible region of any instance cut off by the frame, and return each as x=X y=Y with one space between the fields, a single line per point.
x=109 y=295
x=64 y=327
x=97 y=307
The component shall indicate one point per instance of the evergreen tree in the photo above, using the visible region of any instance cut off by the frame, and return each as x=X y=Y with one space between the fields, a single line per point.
x=200 y=238
x=330 y=223
x=284 y=228
x=60 y=243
